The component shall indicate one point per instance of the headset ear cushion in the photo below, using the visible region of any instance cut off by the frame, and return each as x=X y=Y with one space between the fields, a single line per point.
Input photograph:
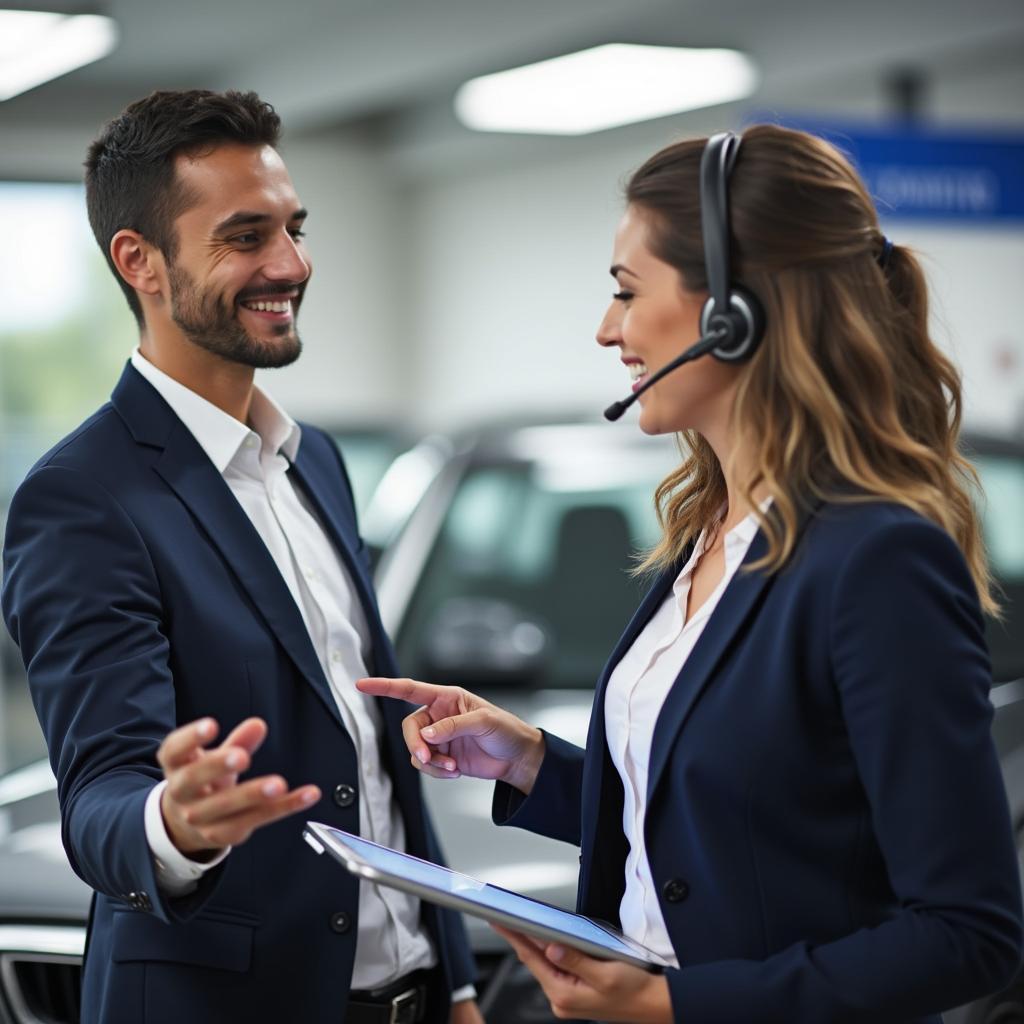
x=744 y=321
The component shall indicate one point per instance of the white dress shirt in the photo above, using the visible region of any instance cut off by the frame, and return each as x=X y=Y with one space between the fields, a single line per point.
x=254 y=464
x=636 y=691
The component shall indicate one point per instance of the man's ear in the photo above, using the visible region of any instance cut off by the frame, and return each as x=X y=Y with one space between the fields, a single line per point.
x=138 y=262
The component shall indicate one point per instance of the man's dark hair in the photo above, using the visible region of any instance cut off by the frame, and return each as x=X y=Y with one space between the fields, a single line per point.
x=130 y=179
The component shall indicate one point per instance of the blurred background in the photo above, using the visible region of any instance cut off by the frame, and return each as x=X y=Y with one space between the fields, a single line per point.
x=459 y=275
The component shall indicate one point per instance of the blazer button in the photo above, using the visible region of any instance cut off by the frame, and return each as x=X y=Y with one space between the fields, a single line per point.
x=340 y=922
x=139 y=901
x=344 y=795
x=675 y=890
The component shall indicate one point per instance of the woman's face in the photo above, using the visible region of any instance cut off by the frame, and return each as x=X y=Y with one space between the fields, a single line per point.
x=651 y=320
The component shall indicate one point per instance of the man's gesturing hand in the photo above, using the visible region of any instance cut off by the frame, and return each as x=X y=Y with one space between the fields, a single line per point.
x=205 y=807
x=456 y=733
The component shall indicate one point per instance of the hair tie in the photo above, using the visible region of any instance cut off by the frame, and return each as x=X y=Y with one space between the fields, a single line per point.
x=883 y=256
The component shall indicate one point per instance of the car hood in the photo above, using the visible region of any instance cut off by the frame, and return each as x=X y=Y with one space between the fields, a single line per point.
x=36 y=881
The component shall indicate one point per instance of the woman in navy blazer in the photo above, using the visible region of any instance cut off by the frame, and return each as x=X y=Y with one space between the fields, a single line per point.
x=789 y=787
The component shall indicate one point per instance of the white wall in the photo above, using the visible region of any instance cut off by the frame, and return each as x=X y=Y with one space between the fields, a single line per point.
x=511 y=279
x=976 y=275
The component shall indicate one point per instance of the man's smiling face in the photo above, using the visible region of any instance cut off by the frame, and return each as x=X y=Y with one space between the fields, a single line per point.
x=240 y=269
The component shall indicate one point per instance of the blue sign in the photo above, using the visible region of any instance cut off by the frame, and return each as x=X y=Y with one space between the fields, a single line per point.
x=917 y=174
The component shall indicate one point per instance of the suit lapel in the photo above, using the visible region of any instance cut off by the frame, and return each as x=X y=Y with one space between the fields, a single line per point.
x=597 y=760
x=187 y=470
x=191 y=475
x=341 y=533
x=740 y=600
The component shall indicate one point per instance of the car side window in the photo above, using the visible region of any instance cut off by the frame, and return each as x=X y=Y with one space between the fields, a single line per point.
x=529 y=582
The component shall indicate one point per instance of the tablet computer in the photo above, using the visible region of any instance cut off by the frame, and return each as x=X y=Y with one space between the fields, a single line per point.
x=448 y=888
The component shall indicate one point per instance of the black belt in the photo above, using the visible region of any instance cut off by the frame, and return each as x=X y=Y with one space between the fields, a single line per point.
x=402 y=1002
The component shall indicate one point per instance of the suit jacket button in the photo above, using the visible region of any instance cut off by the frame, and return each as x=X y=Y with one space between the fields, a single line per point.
x=139 y=900
x=340 y=922
x=675 y=890
x=344 y=795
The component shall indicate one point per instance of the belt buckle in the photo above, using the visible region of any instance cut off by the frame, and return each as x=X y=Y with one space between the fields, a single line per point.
x=404 y=1007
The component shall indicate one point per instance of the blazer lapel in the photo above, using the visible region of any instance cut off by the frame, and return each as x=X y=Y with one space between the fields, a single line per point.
x=345 y=542
x=594 y=765
x=187 y=470
x=737 y=604
x=648 y=606
x=191 y=475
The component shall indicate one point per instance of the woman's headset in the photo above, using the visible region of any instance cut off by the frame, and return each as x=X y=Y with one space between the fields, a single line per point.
x=730 y=308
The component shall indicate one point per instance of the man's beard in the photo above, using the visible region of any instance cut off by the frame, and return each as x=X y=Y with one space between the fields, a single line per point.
x=205 y=321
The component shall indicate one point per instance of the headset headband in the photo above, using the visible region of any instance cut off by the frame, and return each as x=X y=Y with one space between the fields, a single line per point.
x=715 y=167
x=731 y=310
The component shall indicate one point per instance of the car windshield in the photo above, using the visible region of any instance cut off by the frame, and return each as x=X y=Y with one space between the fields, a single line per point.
x=529 y=581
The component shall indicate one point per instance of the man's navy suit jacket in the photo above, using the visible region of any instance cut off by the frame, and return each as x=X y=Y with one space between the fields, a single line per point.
x=142 y=598
x=826 y=827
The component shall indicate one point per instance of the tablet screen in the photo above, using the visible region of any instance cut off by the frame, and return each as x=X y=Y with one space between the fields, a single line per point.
x=426 y=876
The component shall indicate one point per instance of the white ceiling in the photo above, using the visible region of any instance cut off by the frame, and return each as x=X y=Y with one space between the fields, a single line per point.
x=393 y=65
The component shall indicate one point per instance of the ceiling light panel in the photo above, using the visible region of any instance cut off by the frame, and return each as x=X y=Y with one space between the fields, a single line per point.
x=604 y=87
x=37 y=46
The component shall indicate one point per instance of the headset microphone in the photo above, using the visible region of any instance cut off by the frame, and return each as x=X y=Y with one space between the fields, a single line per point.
x=702 y=347
x=732 y=320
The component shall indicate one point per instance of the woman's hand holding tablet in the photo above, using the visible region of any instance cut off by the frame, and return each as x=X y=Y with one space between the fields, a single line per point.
x=578 y=985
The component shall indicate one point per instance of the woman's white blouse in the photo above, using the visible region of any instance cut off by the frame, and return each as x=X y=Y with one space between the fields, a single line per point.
x=636 y=691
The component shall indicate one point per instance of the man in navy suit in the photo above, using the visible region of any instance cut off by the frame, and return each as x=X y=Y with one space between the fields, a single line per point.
x=186 y=567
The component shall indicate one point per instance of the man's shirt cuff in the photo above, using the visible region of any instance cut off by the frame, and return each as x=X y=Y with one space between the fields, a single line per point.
x=175 y=873
x=461 y=995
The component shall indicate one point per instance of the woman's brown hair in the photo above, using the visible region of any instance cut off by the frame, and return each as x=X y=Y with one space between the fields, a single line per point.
x=848 y=399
